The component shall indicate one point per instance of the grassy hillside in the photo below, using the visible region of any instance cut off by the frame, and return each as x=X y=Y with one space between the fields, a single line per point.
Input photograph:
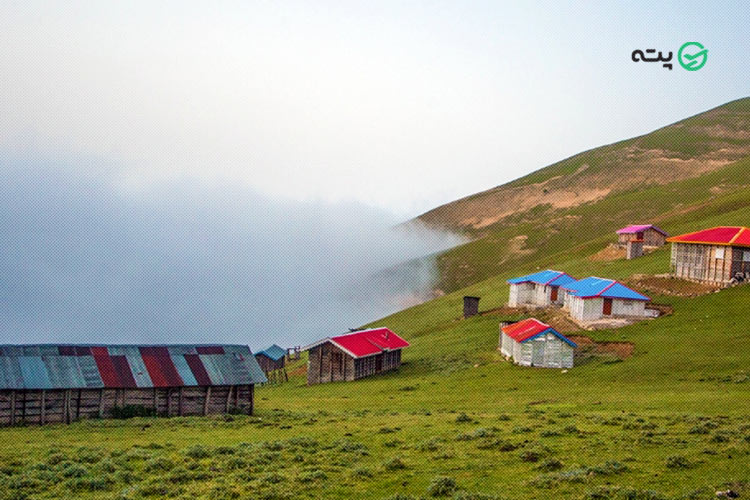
x=457 y=421
x=661 y=177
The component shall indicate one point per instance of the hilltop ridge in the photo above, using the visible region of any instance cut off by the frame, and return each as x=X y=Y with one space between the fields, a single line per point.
x=686 y=149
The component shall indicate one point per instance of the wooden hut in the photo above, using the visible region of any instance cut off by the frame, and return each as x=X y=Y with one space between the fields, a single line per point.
x=540 y=289
x=716 y=256
x=271 y=359
x=42 y=384
x=650 y=235
x=594 y=298
x=354 y=355
x=533 y=343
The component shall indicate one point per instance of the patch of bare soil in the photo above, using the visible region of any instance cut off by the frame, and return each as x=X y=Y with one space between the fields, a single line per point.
x=553 y=316
x=589 y=348
x=610 y=252
x=669 y=285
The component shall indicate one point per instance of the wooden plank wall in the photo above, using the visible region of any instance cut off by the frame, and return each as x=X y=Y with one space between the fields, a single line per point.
x=68 y=405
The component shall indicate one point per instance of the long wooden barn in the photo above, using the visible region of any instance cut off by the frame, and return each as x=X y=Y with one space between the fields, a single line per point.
x=354 y=355
x=42 y=384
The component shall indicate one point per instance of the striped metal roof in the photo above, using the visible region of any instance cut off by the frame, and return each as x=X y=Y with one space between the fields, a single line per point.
x=47 y=366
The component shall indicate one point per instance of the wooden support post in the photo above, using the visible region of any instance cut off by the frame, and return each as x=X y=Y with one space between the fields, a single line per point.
x=251 y=388
x=229 y=399
x=13 y=408
x=101 y=403
x=78 y=405
x=66 y=406
x=156 y=401
x=208 y=398
x=169 y=402
x=43 y=408
x=237 y=397
x=179 y=403
x=24 y=395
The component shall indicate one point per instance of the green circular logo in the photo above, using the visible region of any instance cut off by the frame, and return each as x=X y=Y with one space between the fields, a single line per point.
x=692 y=59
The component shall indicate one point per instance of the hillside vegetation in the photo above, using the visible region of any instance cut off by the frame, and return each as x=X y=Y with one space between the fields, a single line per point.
x=664 y=177
x=457 y=421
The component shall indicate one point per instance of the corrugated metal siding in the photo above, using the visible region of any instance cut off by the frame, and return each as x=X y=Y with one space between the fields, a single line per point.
x=63 y=371
x=118 y=366
x=35 y=375
x=183 y=369
x=197 y=369
x=90 y=372
x=10 y=373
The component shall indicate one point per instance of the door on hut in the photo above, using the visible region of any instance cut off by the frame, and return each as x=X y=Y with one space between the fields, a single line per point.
x=537 y=354
x=607 y=308
x=553 y=295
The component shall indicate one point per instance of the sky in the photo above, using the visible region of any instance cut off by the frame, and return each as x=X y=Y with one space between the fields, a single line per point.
x=397 y=105
x=174 y=171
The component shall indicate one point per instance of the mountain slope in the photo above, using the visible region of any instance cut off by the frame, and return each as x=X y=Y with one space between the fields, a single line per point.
x=663 y=177
x=686 y=149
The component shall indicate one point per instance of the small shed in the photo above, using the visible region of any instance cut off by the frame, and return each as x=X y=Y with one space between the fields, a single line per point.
x=271 y=358
x=594 y=298
x=41 y=384
x=533 y=343
x=354 y=355
x=538 y=289
x=471 y=306
x=717 y=255
x=650 y=235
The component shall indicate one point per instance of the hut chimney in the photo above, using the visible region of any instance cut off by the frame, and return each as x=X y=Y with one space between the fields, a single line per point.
x=471 y=306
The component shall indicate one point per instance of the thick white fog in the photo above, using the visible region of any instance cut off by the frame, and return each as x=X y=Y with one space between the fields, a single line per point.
x=85 y=258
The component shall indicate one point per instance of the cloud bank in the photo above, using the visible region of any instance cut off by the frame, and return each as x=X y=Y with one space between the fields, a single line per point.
x=84 y=259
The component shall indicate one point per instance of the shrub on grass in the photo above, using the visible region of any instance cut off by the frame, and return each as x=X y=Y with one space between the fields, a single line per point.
x=432 y=444
x=196 y=452
x=394 y=463
x=463 y=418
x=312 y=476
x=677 y=462
x=570 y=429
x=549 y=433
x=720 y=437
x=521 y=429
x=550 y=465
x=132 y=411
x=442 y=486
x=158 y=464
x=362 y=473
x=530 y=455
x=465 y=495
x=72 y=470
x=349 y=446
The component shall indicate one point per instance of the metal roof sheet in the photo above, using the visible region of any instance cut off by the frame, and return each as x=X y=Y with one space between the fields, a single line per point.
x=531 y=328
x=722 y=235
x=548 y=277
x=637 y=228
x=274 y=352
x=600 y=287
x=79 y=367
